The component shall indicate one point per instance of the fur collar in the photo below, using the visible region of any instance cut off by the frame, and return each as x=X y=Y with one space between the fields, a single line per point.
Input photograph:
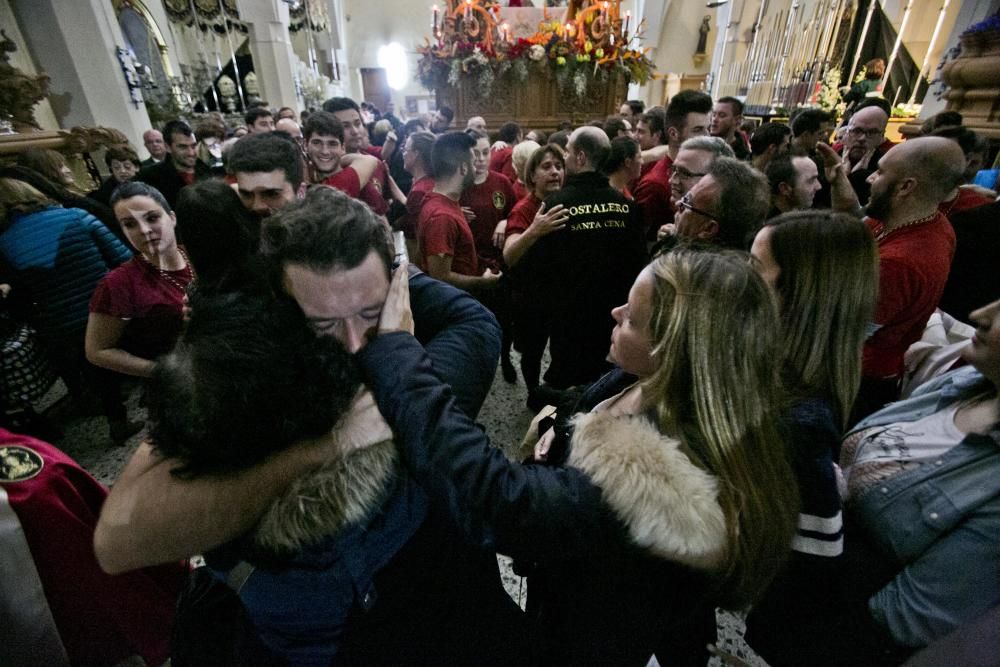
x=669 y=505
x=335 y=495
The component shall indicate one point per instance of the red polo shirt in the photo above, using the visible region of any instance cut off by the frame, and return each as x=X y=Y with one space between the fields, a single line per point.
x=491 y=201
x=443 y=230
x=653 y=196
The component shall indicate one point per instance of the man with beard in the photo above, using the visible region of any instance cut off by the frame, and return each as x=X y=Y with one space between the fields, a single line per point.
x=268 y=172
x=180 y=167
x=794 y=183
x=916 y=244
x=447 y=247
x=864 y=147
x=727 y=115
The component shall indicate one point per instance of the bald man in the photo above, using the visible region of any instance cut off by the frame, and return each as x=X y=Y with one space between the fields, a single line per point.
x=477 y=123
x=290 y=127
x=864 y=145
x=916 y=243
x=583 y=270
x=153 y=140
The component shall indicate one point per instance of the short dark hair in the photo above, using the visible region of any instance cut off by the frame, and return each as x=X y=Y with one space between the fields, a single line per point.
x=743 y=201
x=809 y=120
x=335 y=104
x=450 y=152
x=323 y=123
x=219 y=235
x=565 y=125
x=251 y=116
x=122 y=153
x=767 y=135
x=174 y=127
x=537 y=158
x=326 y=230
x=131 y=189
x=733 y=102
x=593 y=143
x=264 y=153
x=446 y=111
x=656 y=121
x=560 y=139
x=966 y=139
x=636 y=106
x=613 y=125
x=509 y=132
x=422 y=142
x=247 y=379
x=622 y=148
x=683 y=103
x=780 y=170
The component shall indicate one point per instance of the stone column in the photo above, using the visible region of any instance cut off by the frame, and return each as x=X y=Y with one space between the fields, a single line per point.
x=271 y=46
x=74 y=43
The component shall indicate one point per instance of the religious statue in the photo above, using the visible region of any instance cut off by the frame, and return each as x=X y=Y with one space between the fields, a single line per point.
x=251 y=88
x=703 y=36
x=227 y=89
x=19 y=92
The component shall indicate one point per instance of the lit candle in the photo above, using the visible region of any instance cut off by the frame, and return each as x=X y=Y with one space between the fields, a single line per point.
x=434 y=24
x=468 y=9
x=605 y=12
x=569 y=29
x=628 y=17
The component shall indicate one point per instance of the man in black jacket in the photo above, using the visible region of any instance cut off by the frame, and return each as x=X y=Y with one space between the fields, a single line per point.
x=180 y=167
x=584 y=270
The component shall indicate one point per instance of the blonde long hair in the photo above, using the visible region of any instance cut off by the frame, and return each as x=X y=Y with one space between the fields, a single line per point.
x=16 y=196
x=715 y=335
x=828 y=288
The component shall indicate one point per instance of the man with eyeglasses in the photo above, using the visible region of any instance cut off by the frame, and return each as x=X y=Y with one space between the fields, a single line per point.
x=693 y=161
x=725 y=207
x=863 y=147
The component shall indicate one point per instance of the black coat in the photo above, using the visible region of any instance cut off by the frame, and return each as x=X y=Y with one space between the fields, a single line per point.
x=165 y=178
x=623 y=537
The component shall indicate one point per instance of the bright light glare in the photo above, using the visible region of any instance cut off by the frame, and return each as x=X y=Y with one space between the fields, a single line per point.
x=392 y=58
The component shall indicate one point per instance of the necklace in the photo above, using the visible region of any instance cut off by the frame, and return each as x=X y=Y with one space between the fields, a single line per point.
x=165 y=275
x=884 y=233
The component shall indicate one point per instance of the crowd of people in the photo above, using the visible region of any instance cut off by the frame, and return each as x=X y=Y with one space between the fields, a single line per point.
x=314 y=307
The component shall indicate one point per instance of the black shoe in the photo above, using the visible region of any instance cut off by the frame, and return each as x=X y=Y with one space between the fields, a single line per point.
x=507 y=369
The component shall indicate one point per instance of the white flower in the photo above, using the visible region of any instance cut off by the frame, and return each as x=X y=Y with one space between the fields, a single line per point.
x=536 y=52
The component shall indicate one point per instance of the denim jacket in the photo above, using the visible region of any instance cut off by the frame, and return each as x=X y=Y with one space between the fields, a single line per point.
x=939 y=524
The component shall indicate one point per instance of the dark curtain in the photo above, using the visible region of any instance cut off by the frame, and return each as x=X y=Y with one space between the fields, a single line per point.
x=878 y=44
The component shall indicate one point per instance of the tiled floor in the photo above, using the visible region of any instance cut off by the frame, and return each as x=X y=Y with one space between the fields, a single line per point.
x=504 y=417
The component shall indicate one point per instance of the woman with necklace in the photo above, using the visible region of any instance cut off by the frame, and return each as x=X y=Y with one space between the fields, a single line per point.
x=136 y=311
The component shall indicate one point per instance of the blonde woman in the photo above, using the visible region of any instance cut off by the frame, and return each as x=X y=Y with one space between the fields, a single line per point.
x=668 y=493
x=823 y=269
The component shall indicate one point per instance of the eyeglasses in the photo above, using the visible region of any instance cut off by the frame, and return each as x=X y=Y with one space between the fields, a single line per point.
x=685 y=204
x=684 y=174
x=858 y=132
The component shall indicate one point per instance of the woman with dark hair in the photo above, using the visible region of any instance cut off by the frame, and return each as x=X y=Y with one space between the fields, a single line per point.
x=220 y=237
x=123 y=163
x=624 y=164
x=823 y=270
x=666 y=494
x=136 y=311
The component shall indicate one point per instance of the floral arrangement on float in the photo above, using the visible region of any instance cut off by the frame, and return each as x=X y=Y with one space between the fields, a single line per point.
x=471 y=43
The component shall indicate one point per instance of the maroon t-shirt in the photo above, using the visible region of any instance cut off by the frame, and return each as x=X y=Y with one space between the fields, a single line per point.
x=151 y=304
x=523 y=214
x=491 y=201
x=501 y=161
x=347 y=181
x=913 y=268
x=375 y=191
x=443 y=230
x=653 y=196
x=414 y=201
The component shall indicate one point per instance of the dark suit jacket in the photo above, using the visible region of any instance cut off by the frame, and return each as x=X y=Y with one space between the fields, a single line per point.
x=165 y=178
